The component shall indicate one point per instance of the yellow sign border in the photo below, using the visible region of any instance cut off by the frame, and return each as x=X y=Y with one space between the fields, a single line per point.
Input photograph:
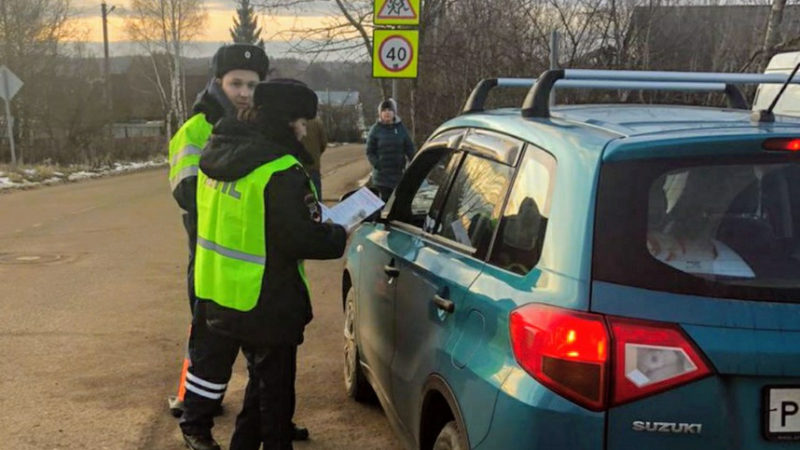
x=378 y=5
x=379 y=37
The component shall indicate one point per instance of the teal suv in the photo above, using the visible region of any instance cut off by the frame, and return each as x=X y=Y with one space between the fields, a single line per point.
x=587 y=276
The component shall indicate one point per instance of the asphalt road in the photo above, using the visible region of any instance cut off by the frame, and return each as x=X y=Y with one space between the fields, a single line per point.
x=94 y=315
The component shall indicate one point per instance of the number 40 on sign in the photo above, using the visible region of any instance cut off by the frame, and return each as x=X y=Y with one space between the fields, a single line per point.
x=395 y=53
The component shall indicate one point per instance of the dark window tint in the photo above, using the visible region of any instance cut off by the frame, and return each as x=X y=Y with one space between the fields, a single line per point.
x=518 y=245
x=729 y=229
x=472 y=208
x=414 y=197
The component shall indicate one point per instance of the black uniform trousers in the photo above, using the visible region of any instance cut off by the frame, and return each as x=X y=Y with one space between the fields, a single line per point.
x=269 y=402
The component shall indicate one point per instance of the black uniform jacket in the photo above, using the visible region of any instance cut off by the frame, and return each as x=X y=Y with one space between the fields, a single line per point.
x=293 y=232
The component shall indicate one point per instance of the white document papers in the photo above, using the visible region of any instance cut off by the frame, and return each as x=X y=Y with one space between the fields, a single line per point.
x=352 y=210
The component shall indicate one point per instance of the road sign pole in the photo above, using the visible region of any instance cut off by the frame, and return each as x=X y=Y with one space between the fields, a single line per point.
x=10 y=128
x=394 y=88
x=106 y=67
x=10 y=86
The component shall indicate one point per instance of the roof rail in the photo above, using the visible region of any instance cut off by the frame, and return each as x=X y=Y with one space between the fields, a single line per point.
x=477 y=99
x=537 y=102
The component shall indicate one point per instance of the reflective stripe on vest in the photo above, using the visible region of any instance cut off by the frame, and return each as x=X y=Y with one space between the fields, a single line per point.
x=185 y=148
x=231 y=249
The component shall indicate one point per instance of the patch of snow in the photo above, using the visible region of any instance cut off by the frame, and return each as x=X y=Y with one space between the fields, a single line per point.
x=58 y=177
x=6 y=183
x=82 y=175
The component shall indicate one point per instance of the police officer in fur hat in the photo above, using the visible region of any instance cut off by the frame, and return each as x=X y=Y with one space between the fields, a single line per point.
x=236 y=71
x=249 y=276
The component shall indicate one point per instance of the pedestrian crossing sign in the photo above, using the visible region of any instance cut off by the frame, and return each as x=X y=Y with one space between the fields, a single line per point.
x=396 y=12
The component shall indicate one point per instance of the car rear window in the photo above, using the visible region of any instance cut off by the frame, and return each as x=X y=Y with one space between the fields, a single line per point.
x=704 y=227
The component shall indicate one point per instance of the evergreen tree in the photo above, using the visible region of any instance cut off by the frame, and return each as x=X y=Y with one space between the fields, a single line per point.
x=245 y=26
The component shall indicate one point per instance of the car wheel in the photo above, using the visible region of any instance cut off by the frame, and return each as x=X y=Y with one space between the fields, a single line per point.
x=450 y=438
x=354 y=381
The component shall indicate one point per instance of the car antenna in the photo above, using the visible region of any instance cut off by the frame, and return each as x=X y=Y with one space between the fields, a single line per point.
x=766 y=115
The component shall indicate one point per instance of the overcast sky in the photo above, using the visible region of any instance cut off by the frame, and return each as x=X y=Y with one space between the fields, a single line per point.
x=220 y=19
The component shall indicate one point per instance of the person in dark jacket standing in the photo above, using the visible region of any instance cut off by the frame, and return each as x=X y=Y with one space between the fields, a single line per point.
x=237 y=69
x=249 y=277
x=315 y=143
x=389 y=149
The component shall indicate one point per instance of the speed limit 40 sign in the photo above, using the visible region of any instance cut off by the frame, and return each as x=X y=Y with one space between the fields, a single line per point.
x=394 y=53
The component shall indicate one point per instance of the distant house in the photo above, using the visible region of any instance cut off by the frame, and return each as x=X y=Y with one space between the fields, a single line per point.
x=703 y=38
x=342 y=113
x=150 y=128
x=339 y=98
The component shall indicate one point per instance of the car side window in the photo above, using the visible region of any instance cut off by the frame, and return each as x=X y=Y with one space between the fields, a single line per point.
x=472 y=209
x=518 y=245
x=414 y=199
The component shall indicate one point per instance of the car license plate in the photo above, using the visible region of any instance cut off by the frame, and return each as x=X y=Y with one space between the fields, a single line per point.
x=782 y=413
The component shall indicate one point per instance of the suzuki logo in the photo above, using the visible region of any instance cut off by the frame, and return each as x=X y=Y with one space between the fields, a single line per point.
x=668 y=427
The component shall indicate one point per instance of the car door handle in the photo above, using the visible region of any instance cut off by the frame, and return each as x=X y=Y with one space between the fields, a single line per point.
x=392 y=271
x=444 y=304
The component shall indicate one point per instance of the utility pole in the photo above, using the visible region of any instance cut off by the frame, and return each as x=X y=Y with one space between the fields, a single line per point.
x=107 y=65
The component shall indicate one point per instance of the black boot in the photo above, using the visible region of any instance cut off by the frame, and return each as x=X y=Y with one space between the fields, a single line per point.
x=299 y=433
x=200 y=442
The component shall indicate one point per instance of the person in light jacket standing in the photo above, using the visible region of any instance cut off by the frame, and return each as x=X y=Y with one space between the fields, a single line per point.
x=389 y=149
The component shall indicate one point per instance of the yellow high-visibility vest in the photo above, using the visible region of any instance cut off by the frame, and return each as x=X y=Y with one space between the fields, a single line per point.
x=231 y=252
x=185 y=147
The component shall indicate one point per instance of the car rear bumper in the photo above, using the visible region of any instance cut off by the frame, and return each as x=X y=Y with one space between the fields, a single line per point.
x=529 y=416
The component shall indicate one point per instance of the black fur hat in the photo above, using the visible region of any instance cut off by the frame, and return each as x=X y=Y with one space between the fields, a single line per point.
x=240 y=57
x=286 y=97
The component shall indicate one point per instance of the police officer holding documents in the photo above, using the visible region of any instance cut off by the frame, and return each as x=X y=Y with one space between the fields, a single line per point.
x=258 y=218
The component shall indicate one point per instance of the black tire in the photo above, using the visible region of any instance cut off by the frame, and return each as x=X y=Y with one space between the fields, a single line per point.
x=450 y=438
x=355 y=382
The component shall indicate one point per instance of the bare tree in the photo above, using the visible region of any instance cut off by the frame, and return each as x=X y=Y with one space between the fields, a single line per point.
x=32 y=32
x=347 y=29
x=772 y=34
x=162 y=27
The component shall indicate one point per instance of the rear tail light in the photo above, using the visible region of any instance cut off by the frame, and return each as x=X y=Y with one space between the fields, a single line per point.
x=652 y=357
x=566 y=351
x=574 y=353
x=782 y=144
